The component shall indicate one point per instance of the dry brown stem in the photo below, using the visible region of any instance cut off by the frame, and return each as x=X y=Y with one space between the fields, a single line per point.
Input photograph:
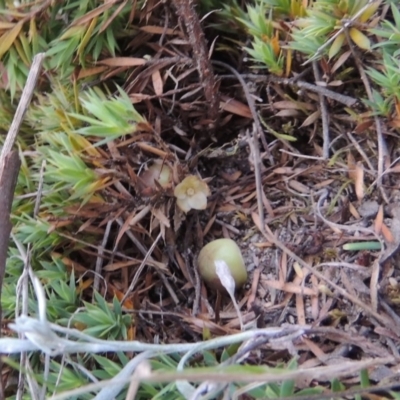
x=9 y=168
x=187 y=13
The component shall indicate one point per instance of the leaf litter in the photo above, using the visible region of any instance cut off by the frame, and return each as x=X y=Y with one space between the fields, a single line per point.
x=310 y=209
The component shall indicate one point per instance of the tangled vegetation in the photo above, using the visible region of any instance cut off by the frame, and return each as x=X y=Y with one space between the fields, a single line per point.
x=159 y=126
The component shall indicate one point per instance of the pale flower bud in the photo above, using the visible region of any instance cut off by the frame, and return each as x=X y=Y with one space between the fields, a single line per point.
x=192 y=193
x=159 y=172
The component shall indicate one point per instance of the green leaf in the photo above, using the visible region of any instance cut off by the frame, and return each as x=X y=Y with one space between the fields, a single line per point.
x=110 y=367
x=337 y=386
x=359 y=246
x=364 y=378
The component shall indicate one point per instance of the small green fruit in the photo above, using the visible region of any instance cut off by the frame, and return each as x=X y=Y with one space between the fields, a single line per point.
x=226 y=250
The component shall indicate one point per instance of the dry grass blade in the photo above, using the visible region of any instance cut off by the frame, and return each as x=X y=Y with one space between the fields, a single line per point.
x=8 y=38
x=140 y=269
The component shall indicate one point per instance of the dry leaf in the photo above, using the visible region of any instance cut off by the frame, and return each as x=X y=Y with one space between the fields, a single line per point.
x=336 y=45
x=356 y=174
x=299 y=271
x=283 y=170
x=351 y=166
x=353 y=211
x=298 y=186
x=123 y=61
x=370 y=11
x=116 y=12
x=378 y=221
x=362 y=126
x=161 y=217
x=387 y=234
x=311 y=119
x=288 y=113
x=360 y=39
x=160 y=30
x=158 y=84
x=235 y=107
x=92 y=14
x=4 y=25
x=84 y=73
x=359 y=181
x=292 y=105
x=301 y=315
x=8 y=38
x=291 y=288
x=120 y=265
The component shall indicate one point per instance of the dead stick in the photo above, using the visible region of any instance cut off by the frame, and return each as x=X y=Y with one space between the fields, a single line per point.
x=187 y=13
x=9 y=169
x=339 y=97
x=324 y=114
x=8 y=181
x=22 y=107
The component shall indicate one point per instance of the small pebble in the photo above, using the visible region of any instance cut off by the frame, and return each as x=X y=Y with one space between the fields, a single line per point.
x=368 y=209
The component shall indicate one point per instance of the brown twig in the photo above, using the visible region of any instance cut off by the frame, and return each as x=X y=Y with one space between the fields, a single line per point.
x=9 y=168
x=254 y=287
x=330 y=94
x=340 y=98
x=187 y=13
x=255 y=158
x=360 y=150
x=141 y=267
x=324 y=114
x=8 y=180
x=40 y=190
x=169 y=288
x=100 y=258
x=197 y=298
x=26 y=98
x=382 y=147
